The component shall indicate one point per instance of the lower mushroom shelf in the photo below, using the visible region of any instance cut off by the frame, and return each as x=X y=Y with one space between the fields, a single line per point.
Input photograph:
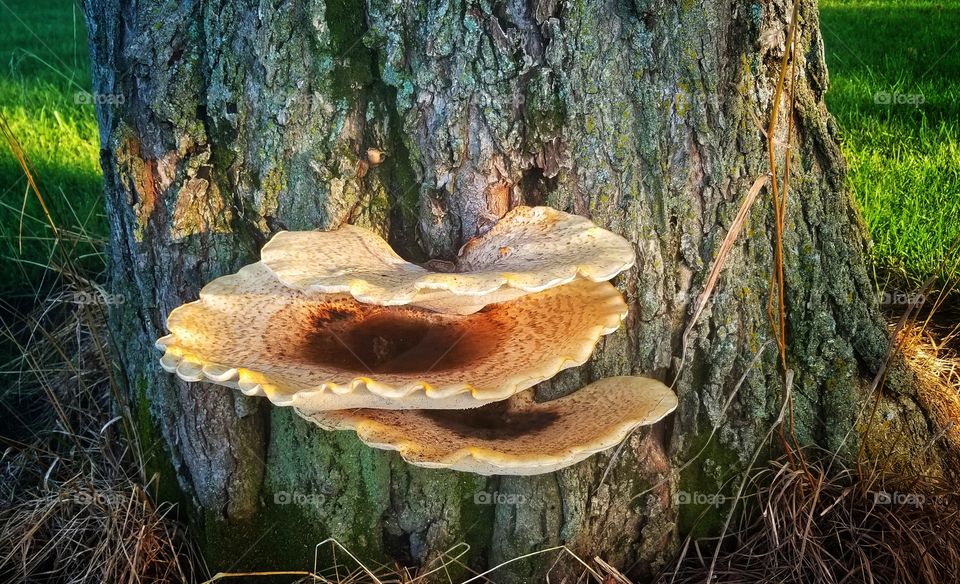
x=514 y=437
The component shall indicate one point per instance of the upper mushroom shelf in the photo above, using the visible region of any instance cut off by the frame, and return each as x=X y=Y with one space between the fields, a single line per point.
x=328 y=351
x=529 y=250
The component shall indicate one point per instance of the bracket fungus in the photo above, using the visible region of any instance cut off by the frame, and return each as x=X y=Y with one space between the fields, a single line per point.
x=514 y=437
x=338 y=326
x=329 y=351
x=529 y=250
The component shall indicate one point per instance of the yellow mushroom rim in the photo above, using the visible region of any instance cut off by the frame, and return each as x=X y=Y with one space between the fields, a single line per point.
x=328 y=351
x=513 y=437
x=530 y=249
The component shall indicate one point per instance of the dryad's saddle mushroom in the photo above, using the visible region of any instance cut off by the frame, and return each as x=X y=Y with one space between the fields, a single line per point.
x=328 y=351
x=517 y=436
x=340 y=327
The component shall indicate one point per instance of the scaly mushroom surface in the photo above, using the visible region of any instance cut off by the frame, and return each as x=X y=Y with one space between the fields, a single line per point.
x=530 y=249
x=329 y=351
x=513 y=437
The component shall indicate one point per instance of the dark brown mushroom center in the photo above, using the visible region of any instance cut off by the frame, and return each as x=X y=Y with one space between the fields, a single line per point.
x=364 y=338
x=493 y=421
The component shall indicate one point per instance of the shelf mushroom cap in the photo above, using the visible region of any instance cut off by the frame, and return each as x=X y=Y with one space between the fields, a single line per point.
x=328 y=351
x=514 y=437
x=529 y=250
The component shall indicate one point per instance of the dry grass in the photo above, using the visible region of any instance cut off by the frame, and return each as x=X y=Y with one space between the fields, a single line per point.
x=936 y=369
x=90 y=530
x=830 y=522
x=346 y=568
x=72 y=505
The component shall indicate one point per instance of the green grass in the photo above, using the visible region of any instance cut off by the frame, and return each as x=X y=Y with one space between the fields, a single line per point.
x=904 y=158
x=45 y=62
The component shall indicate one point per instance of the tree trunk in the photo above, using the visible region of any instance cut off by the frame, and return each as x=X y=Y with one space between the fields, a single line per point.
x=239 y=119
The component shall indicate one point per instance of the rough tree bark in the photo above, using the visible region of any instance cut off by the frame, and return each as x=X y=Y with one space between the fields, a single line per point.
x=243 y=118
